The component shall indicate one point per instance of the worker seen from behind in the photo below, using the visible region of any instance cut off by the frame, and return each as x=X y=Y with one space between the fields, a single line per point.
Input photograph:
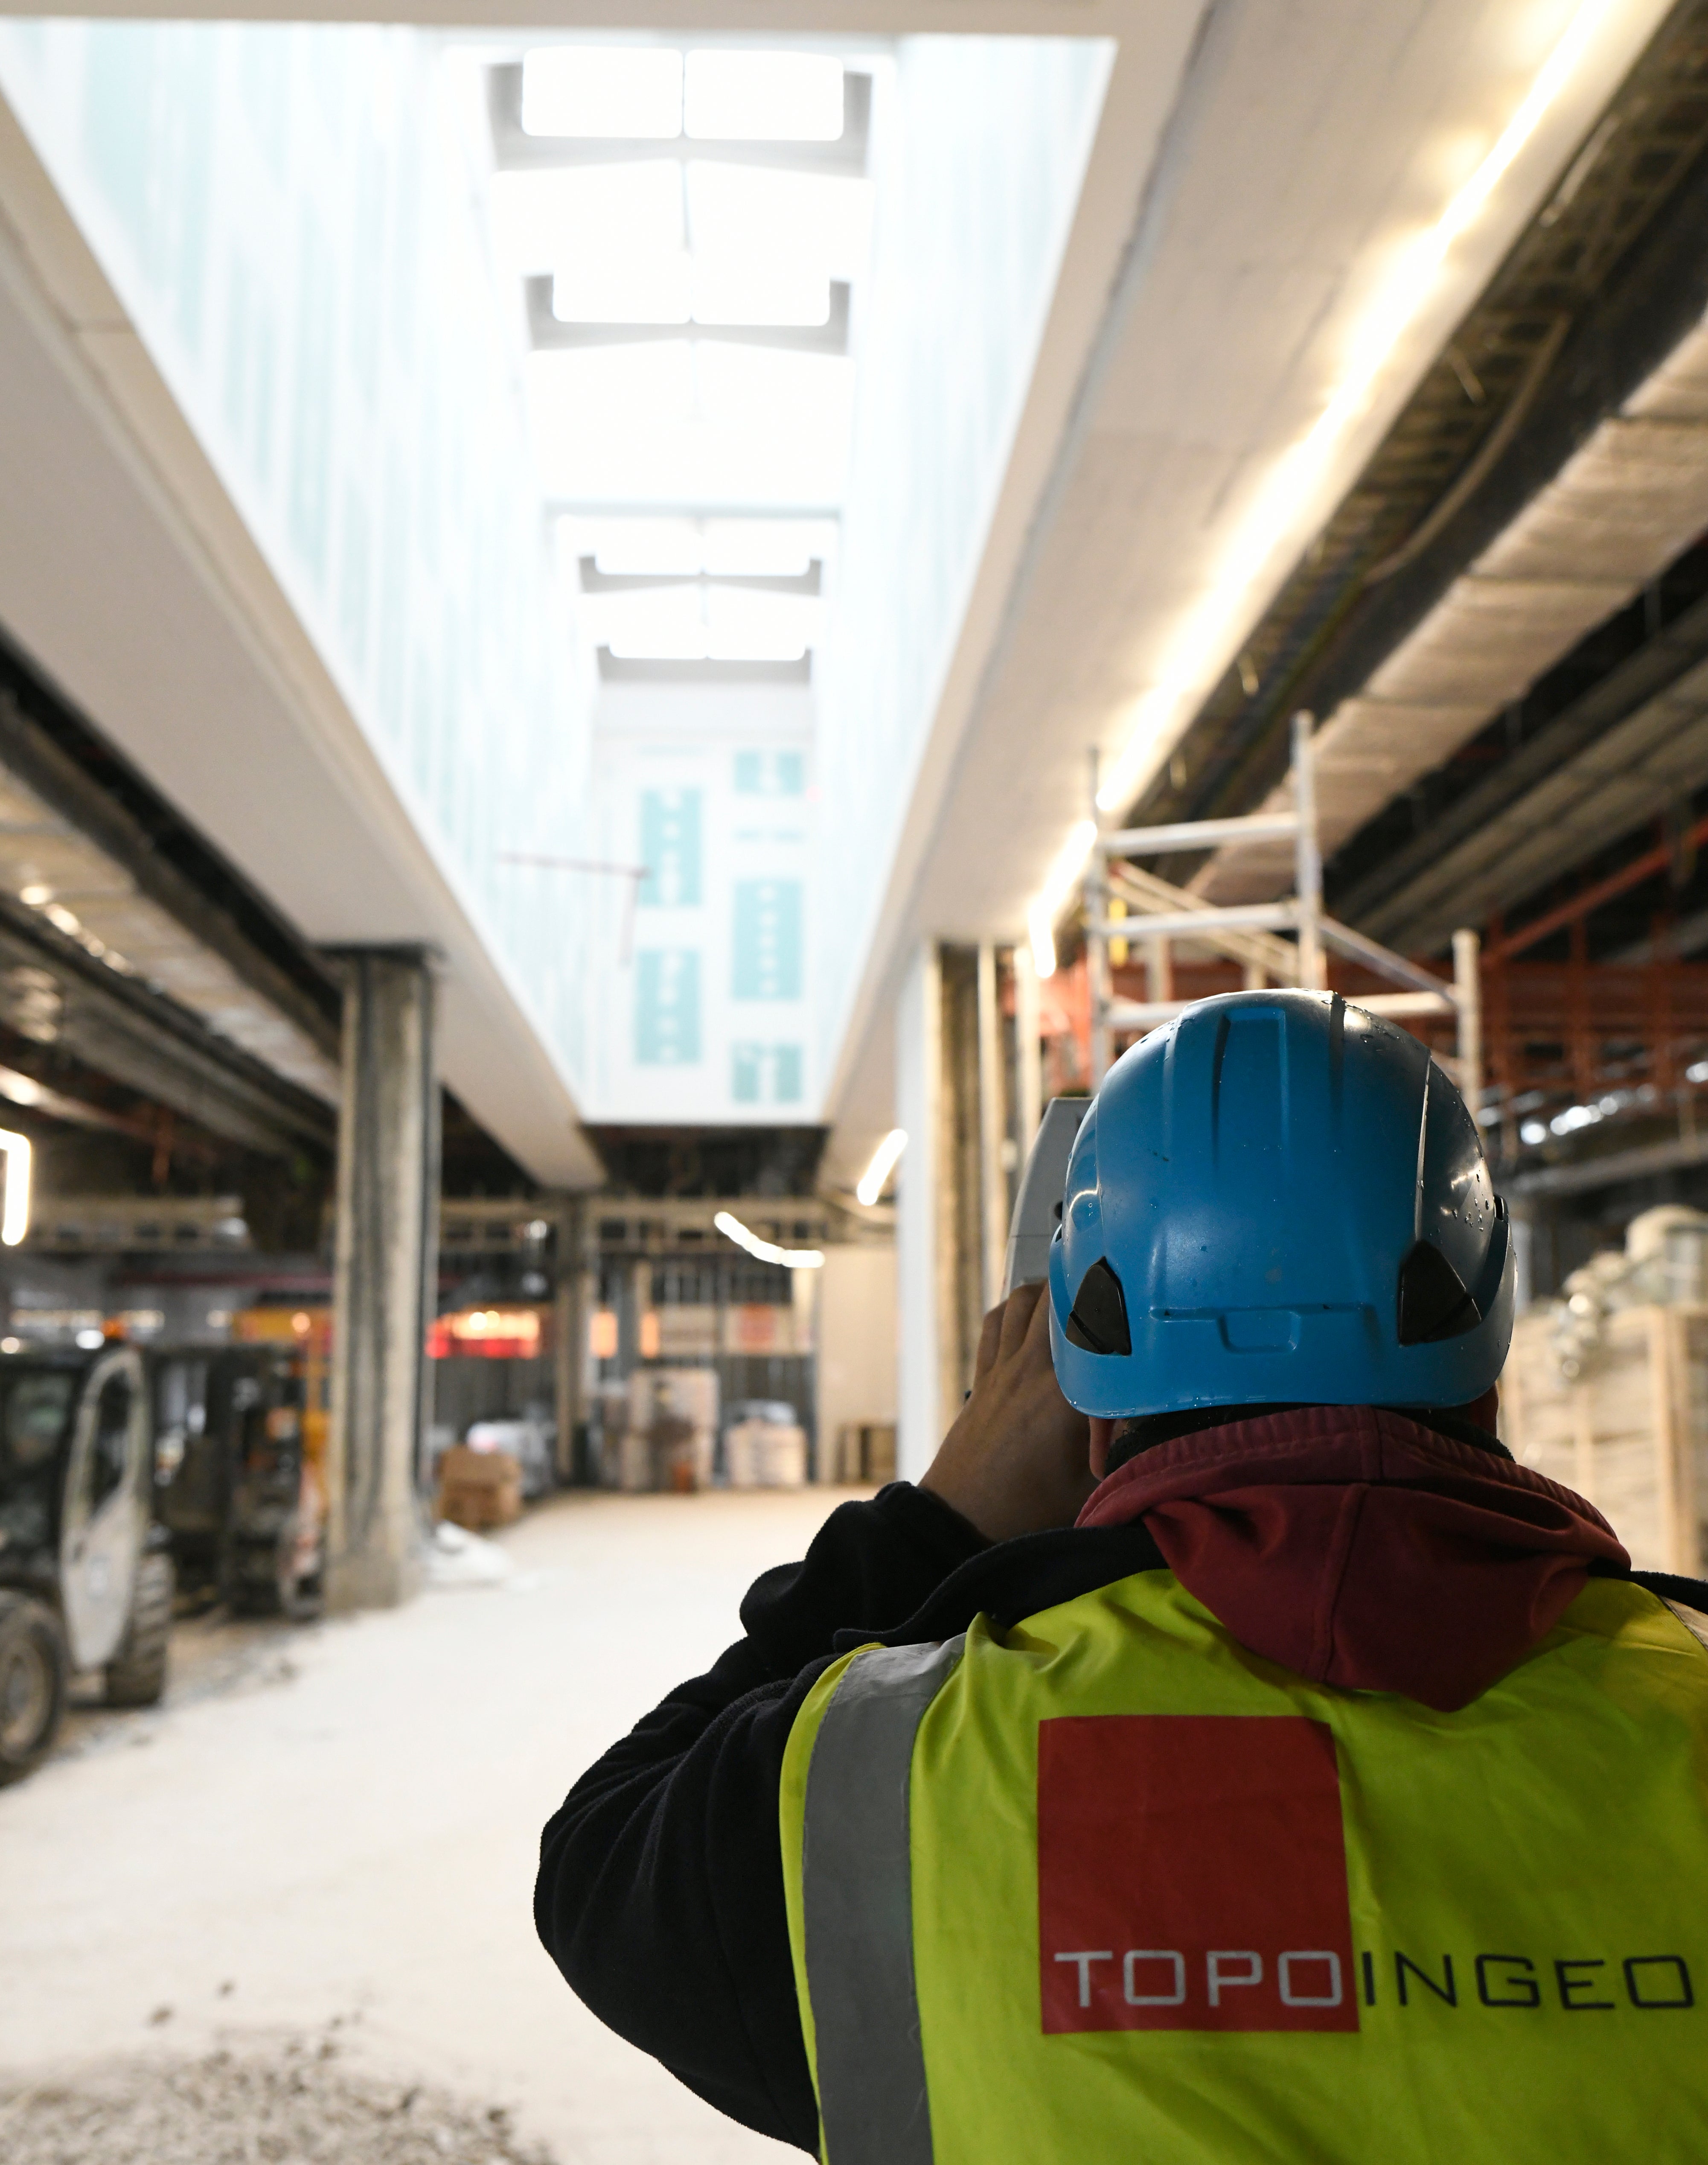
x=1226 y=1751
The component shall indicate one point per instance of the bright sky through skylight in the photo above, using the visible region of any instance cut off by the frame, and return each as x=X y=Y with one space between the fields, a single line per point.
x=704 y=623
x=615 y=92
x=690 y=622
x=640 y=92
x=673 y=244
x=746 y=548
x=759 y=97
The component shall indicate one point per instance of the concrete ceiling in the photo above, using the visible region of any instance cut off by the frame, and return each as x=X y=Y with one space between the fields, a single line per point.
x=1256 y=173
x=1302 y=149
x=1615 y=516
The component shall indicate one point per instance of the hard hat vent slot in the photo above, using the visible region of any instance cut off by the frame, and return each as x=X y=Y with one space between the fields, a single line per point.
x=1435 y=1302
x=1098 y=1323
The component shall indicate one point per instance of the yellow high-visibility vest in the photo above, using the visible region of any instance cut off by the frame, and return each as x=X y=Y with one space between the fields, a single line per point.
x=1108 y=1886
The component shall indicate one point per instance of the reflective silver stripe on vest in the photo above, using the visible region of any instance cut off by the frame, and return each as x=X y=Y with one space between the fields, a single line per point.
x=857 y=1887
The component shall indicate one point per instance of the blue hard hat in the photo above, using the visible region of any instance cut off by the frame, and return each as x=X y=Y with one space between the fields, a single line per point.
x=1277 y=1199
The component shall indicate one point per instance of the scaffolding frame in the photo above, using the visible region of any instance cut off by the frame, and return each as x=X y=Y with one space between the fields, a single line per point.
x=1251 y=933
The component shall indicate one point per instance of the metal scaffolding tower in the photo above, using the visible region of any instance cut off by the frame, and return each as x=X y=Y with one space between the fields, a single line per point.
x=1251 y=933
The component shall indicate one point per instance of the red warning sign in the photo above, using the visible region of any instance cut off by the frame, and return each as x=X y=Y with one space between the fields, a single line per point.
x=1191 y=1874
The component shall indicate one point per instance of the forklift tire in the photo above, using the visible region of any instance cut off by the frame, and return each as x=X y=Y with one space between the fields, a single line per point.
x=262 y=1579
x=33 y=1666
x=136 y=1676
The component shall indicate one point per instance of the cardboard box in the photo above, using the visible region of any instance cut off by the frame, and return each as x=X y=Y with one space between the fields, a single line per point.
x=479 y=1489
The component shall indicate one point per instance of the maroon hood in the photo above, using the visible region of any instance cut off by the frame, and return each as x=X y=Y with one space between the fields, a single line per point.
x=1358 y=1548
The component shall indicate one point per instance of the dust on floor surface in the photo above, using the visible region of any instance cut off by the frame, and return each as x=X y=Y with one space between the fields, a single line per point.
x=291 y=2104
x=334 y=1829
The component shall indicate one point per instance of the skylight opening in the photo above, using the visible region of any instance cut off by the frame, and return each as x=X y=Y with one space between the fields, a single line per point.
x=804 y=218
x=666 y=626
x=548 y=221
x=622 y=93
x=644 y=458
x=736 y=96
x=613 y=289
x=699 y=624
x=765 y=548
x=790 y=392
x=748 y=290
x=688 y=451
x=739 y=623
x=623 y=546
x=656 y=548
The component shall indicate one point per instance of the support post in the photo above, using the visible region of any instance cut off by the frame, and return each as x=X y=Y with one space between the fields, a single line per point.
x=1028 y=1050
x=1158 y=969
x=384 y=1278
x=993 y=1178
x=1307 y=856
x=1098 y=988
x=568 y=1335
x=1468 y=999
x=922 y=1328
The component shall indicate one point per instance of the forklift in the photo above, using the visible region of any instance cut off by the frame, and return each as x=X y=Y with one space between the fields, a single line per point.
x=86 y=1574
x=239 y=1487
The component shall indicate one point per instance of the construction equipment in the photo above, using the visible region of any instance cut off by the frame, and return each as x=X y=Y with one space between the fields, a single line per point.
x=85 y=1580
x=1160 y=914
x=238 y=1488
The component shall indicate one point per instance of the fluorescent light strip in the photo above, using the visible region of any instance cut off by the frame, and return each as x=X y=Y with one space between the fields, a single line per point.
x=871 y=1181
x=14 y=1215
x=768 y=1251
x=1199 y=653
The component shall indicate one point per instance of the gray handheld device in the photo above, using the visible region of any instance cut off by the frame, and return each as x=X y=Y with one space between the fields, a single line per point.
x=1038 y=1202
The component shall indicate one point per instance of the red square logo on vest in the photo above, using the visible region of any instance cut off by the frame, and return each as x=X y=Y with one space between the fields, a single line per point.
x=1191 y=1874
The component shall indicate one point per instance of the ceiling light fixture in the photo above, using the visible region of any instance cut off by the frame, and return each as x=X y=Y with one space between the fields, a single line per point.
x=768 y=1251
x=1058 y=883
x=1200 y=652
x=870 y=1184
x=15 y=1213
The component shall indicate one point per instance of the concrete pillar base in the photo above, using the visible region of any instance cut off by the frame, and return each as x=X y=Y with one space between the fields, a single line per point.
x=374 y=1581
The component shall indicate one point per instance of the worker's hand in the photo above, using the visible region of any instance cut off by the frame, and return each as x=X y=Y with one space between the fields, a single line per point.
x=1018 y=1459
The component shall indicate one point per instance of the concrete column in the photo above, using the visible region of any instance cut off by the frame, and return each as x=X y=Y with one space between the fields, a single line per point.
x=1029 y=1050
x=569 y=1332
x=384 y=1270
x=993 y=1129
x=919 y=1177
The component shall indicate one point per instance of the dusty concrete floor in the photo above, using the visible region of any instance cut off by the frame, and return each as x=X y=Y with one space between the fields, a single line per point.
x=329 y=1832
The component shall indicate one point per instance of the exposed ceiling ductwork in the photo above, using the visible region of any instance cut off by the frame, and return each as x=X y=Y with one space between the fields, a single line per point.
x=1619 y=512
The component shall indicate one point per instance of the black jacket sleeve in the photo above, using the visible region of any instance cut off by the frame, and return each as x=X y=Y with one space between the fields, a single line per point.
x=660 y=1888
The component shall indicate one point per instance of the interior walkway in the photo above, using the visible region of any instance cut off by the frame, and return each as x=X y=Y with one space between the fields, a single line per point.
x=339 y=1824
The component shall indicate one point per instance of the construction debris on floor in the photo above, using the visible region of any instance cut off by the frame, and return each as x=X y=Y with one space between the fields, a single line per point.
x=293 y=2104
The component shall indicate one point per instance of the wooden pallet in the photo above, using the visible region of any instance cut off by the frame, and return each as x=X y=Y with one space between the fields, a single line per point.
x=1631 y=1435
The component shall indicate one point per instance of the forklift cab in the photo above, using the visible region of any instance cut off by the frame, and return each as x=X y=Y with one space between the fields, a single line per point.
x=85 y=1582
x=236 y=1489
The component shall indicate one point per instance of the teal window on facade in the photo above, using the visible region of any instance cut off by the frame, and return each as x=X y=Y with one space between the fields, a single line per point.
x=670 y=848
x=770 y=773
x=667 y=1007
x=768 y=940
x=765 y=1074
